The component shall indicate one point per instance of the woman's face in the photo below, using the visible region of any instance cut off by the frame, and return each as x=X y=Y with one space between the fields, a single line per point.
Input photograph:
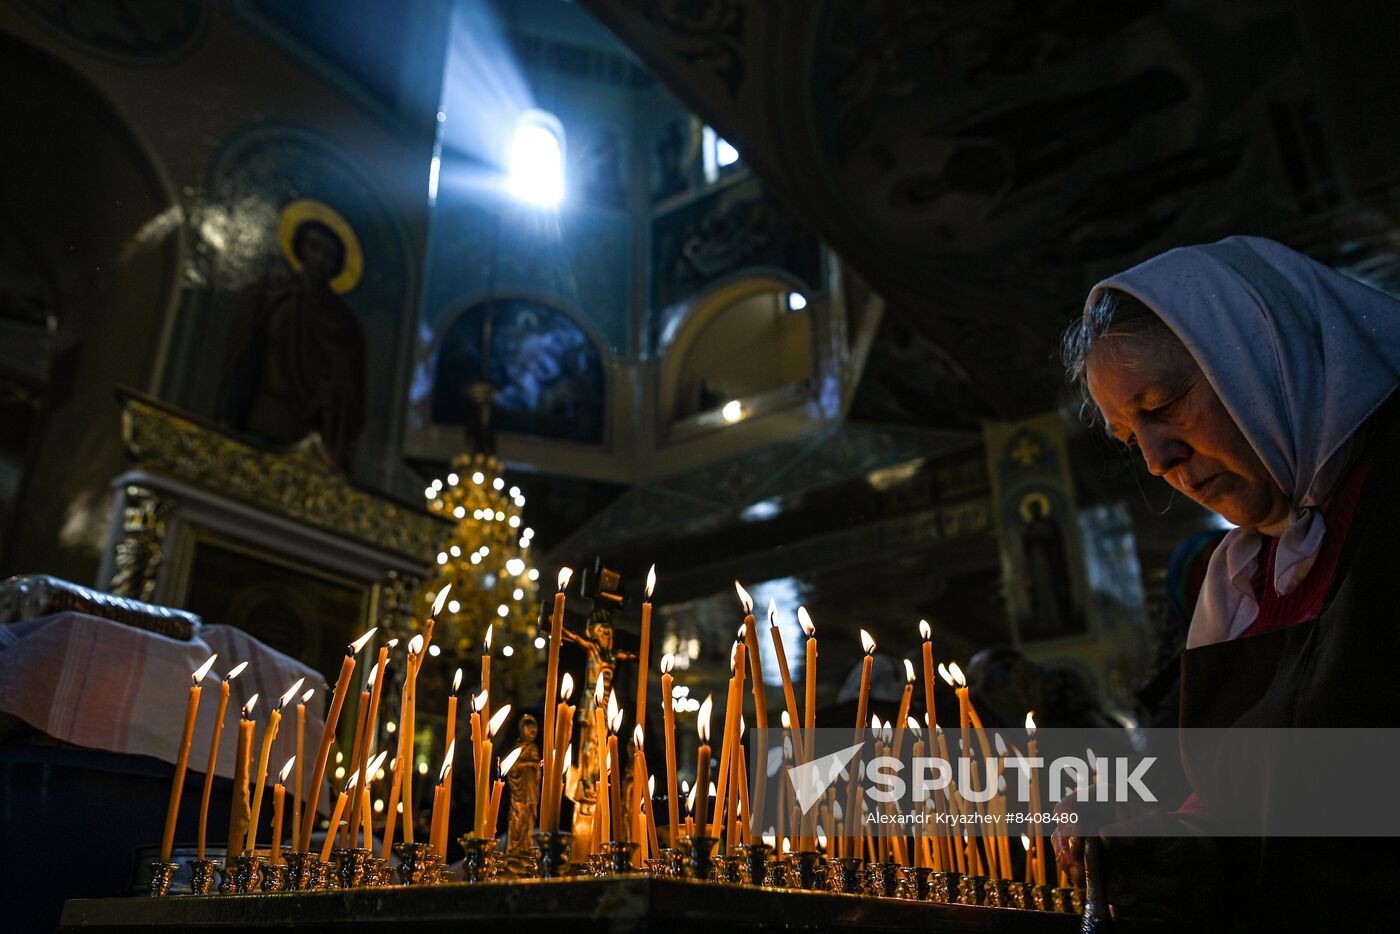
x=1155 y=398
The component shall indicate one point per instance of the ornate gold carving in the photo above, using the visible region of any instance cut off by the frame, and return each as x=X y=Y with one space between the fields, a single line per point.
x=299 y=483
x=138 y=556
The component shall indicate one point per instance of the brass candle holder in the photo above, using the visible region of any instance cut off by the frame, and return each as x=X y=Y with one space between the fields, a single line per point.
x=202 y=875
x=998 y=894
x=944 y=887
x=1019 y=893
x=274 y=877
x=700 y=857
x=805 y=866
x=1041 y=898
x=883 y=879
x=554 y=852
x=301 y=870
x=617 y=857
x=920 y=879
x=327 y=876
x=475 y=864
x=1063 y=900
x=754 y=862
x=240 y=875
x=726 y=868
x=352 y=866
x=162 y=874
x=846 y=874
x=413 y=862
x=971 y=889
x=781 y=874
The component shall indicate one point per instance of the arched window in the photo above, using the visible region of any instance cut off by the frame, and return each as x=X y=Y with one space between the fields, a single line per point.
x=537 y=159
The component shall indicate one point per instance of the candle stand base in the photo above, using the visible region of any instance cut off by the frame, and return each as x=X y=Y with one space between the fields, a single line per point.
x=998 y=894
x=1076 y=901
x=1061 y=899
x=754 y=857
x=920 y=887
x=1041 y=898
x=413 y=862
x=805 y=867
x=726 y=868
x=675 y=862
x=202 y=875
x=475 y=864
x=883 y=879
x=301 y=869
x=327 y=877
x=846 y=874
x=971 y=889
x=274 y=877
x=1019 y=893
x=241 y=875
x=700 y=857
x=554 y=852
x=618 y=857
x=352 y=867
x=381 y=874
x=945 y=887
x=161 y=875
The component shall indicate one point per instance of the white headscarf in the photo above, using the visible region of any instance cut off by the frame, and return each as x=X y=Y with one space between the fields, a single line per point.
x=1301 y=356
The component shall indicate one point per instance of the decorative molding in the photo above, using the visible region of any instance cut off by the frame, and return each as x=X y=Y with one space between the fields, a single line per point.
x=298 y=483
x=138 y=556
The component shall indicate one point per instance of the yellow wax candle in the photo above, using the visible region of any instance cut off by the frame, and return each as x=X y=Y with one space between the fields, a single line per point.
x=903 y=716
x=862 y=719
x=299 y=792
x=1037 y=839
x=926 y=632
x=182 y=759
x=214 y=754
x=336 y=813
x=563 y=735
x=668 y=715
x=807 y=822
x=493 y=809
x=239 y=808
x=615 y=812
x=556 y=638
x=366 y=744
x=702 y=763
x=483 y=784
x=279 y=794
x=789 y=693
x=644 y=651
x=503 y=768
x=269 y=736
x=733 y=713
x=486 y=676
x=323 y=751
x=408 y=726
x=442 y=802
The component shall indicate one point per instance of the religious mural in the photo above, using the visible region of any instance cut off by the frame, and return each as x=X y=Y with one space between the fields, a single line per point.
x=547 y=372
x=300 y=276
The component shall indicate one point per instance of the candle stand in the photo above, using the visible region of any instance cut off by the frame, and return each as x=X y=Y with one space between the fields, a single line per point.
x=475 y=864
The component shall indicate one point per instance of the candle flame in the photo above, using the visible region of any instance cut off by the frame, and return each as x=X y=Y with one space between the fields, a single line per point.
x=805 y=619
x=637 y=736
x=488 y=636
x=568 y=758
x=456 y=682
x=913 y=726
x=564 y=575
x=287 y=769
x=393 y=643
x=1026 y=842
x=248 y=707
x=651 y=785
x=498 y=719
x=566 y=686
x=908 y=671
x=925 y=630
x=868 y=642
x=509 y=760
x=291 y=692
x=874 y=723
x=203 y=670
x=614 y=713
x=441 y=600
x=1030 y=722
x=733 y=657
x=787 y=844
x=702 y=722
x=479 y=701
x=307 y=696
x=744 y=599
x=787 y=721
x=943 y=673
x=447 y=761
x=415 y=645
x=667 y=663
x=772 y=611
x=354 y=777
x=237 y=670
x=354 y=647
x=373 y=673
x=598 y=694
x=957 y=674
x=651 y=581
x=690 y=800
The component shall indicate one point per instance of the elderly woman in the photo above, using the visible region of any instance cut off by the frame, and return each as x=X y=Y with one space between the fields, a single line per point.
x=1259 y=384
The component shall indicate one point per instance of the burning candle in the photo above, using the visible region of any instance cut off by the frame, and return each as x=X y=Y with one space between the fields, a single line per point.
x=483 y=773
x=214 y=753
x=702 y=759
x=926 y=633
x=789 y=694
x=809 y=725
x=503 y=767
x=760 y=696
x=862 y=718
x=552 y=793
x=279 y=794
x=182 y=759
x=668 y=714
x=342 y=686
x=239 y=808
x=442 y=804
x=486 y=674
x=1037 y=840
x=616 y=815
x=299 y=792
x=376 y=681
x=401 y=787
x=269 y=735
x=556 y=637
x=903 y=716
x=600 y=737
x=732 y=714
x=335 y=816
x=644 y=652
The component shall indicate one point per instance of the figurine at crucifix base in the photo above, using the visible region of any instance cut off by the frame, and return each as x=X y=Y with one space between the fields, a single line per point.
x=524 y=781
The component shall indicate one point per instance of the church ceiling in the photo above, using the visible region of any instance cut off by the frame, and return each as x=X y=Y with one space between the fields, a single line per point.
x=983 y=164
